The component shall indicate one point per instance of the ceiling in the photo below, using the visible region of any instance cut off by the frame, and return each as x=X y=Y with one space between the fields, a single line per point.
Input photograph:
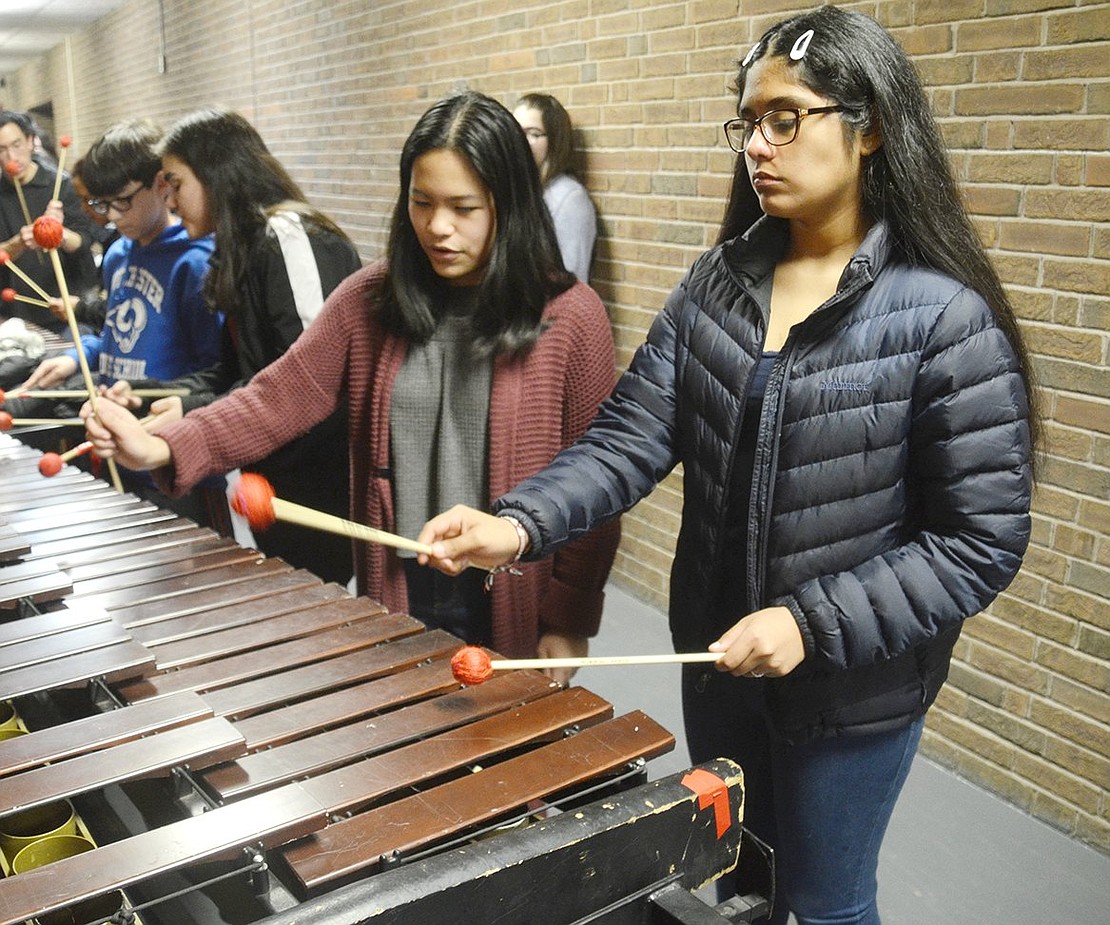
x=30 y=28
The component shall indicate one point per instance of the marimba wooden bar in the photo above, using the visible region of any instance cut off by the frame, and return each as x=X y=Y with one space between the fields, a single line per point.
x=312 y=729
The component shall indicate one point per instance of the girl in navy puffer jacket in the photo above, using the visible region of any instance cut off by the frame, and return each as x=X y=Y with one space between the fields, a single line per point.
x=844 y=383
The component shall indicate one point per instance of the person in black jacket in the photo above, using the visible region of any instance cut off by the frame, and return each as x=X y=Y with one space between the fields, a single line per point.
x=843 y=381
x=276 y=260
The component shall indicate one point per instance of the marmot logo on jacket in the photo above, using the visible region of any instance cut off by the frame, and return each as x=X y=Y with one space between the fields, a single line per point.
x=844 y=385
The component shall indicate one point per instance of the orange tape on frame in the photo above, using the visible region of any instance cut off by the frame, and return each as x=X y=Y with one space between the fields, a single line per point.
x=711 y=791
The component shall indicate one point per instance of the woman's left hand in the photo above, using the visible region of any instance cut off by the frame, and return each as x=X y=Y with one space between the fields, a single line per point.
x=766 y=643
x=562 y=645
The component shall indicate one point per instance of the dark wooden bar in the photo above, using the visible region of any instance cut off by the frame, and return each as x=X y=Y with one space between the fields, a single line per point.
x=346 y=705
x=358 y=844
x=200 y=744
x=100 y=731
x=47 y=624
x=273 y=690
x=481 y=710
x=303 y=595
x=258 y=584
x=112 y=663
x=268 y=819
x=59 y=645
x=313 y=619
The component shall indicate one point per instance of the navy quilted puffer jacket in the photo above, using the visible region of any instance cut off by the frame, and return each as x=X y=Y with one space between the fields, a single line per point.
x=892 y=473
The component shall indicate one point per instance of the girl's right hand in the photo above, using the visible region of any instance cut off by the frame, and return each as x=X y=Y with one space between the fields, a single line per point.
x=115 y=432
x=463 y=536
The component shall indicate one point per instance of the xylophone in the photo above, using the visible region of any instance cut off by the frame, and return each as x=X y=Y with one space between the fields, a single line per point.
x=244 y=742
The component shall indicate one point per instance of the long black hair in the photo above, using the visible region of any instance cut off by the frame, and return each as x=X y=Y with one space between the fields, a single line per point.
x=908 y=181
x=525 y=270
x=245 y=185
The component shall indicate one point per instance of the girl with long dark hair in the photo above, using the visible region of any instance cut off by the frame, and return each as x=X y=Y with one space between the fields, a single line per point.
x=276 y=260
x=844 y=383
x=469 y=357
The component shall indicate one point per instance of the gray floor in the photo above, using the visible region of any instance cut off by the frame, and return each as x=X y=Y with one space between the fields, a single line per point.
x=954 y=852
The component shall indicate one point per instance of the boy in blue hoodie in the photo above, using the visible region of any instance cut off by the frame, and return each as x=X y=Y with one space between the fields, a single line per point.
x=157 y=324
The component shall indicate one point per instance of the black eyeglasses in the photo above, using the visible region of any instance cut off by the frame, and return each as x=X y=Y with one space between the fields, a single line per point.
x=779 y=126
x=120 y=203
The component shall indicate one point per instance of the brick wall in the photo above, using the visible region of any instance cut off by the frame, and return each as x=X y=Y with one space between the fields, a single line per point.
x=1022 y=88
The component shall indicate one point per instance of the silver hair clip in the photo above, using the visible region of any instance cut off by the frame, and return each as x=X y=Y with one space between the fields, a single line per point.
x=801 y=46
x=751 y=54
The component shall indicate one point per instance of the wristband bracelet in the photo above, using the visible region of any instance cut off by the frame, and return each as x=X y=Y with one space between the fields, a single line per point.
x=522 y=545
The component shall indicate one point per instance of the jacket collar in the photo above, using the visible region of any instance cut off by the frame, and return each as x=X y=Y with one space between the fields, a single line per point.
x=753 y=255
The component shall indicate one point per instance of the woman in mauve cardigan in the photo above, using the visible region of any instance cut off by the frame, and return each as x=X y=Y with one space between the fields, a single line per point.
x=541 y=340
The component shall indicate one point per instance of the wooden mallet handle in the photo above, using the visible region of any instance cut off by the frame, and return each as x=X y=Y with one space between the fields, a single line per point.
x=79 y=393
x=48 y=235
x=473 y=665
x=254 y=499
x=64 y=142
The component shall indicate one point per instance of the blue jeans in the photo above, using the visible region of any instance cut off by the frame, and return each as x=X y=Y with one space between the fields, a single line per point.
x=458 y=605
x=823 y=806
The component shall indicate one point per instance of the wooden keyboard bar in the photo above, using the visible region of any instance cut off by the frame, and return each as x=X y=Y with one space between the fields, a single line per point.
x=150 y=527
x=82 y=536
x=312 y=680
x=53 y=494
x=266 y=583
x=179 y=584
x=269 y=819
x=155 y=574
x=12 y=544
x=61 y=645
x=355 y=845
x=199 y=745
x=21 y=571
x=47 y=624
x=112 y=663
x=309 y=621
x=292 y=653
x=35 y=521
x=142 y=558
x=270 y=660
x=238 y=616
x=346 y=705
x=37 y=589
x=315 y=754
x=120 y=547
x=93 y=733
x=355 y=786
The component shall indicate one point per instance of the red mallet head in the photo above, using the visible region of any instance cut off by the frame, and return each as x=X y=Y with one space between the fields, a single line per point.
x=48 y=232
x=471 y=665
x=50 y=464
x=13 y=169
x=5 y=420
x=254 y=499
x=65 y=141
x=8 y=295
x=4 y=256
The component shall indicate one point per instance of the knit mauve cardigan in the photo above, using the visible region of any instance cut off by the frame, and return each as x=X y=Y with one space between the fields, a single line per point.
x=539 y=403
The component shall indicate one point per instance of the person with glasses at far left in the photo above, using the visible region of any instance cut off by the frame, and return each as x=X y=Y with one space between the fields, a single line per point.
x=158 y=324
x=37 y=181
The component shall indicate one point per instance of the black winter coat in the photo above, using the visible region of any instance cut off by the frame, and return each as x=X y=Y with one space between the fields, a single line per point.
x=892 y=478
